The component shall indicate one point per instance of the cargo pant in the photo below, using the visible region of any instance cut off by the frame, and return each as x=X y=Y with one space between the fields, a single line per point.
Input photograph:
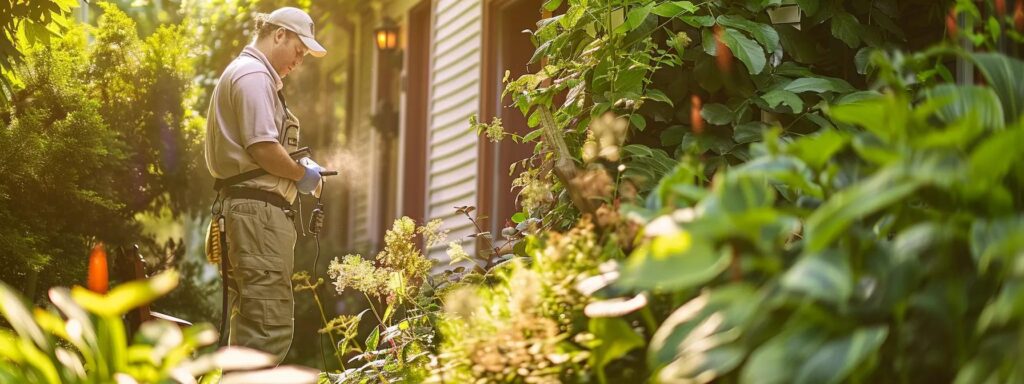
x=261 y=250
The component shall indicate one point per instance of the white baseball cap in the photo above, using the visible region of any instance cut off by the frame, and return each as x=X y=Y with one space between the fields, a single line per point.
x=295 y=20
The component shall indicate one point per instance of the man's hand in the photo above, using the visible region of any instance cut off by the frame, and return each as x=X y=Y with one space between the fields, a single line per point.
x=311 y=179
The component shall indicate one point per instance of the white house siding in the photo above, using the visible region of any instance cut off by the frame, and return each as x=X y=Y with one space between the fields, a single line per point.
x=454 y=96
x=360 y=188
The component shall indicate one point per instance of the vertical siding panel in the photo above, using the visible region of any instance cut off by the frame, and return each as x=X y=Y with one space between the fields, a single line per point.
x=454 y=96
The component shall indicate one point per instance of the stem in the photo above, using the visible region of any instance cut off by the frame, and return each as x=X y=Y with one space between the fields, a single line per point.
x=374 y=309
x=490 y=258
x=323 y=317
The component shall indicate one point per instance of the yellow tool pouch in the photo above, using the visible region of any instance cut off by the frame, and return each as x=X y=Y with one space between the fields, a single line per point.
x=215 y=240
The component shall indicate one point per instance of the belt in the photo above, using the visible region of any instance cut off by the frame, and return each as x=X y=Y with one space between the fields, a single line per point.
x=257 y=194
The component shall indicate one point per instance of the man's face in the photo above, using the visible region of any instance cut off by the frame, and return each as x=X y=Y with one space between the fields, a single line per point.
x=287 y=53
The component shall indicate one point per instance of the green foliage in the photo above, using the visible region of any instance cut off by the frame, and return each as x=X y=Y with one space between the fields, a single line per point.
x=859 y=289
x=100 y=132
x=803 y=229
x=86 y=341
x=25 y=24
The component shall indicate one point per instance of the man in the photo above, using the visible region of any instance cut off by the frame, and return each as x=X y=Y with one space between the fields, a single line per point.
x=249 y=128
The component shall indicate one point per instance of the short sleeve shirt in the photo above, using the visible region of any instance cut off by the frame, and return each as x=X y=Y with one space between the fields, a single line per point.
x=245 y=110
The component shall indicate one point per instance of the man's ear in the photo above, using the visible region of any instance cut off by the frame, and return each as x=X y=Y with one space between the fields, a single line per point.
x=280 y=35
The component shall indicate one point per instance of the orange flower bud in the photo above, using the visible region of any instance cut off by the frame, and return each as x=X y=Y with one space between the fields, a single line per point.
x=723 y=54
x=696 y=121
x=98 y=280
x=951 y=26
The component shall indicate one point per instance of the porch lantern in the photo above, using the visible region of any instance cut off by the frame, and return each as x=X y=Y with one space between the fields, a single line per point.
x=387 y=36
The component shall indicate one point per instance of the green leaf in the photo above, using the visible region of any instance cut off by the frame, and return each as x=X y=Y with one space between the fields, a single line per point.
x=980 y=104
x=996 y=156
x=635 y=17
x=836 y=359
x=763 y=33
x=730 y=306
x=674 y=262
x=126 y=296
x=373 y=339
x=519 y=217
x=776 y=97
x=717 y=114
x=675 y=8
x=658 y=95
x=994 y=240
x=846 y=28
x=1002 y=73
x=745 y=49
x=614 y=338
x=748 y=132
x=810 y=7
x=778 y=359
x=862 y=59
x=16 y=312
x=638 y=121
x=533 y=134
x=551 y=5
x=698 y=21
x=799 y=44
x=825 y=276
x=819 y=85
x=866 y=197
x=817 y=149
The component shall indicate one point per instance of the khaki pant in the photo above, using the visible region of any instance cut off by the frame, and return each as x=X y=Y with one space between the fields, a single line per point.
x=261 y=250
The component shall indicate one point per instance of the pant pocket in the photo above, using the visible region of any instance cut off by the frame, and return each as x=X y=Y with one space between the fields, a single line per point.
x=265 y=289
x=244 y=227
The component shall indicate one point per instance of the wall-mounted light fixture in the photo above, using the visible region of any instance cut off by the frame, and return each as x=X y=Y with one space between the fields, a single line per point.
x=387 y=36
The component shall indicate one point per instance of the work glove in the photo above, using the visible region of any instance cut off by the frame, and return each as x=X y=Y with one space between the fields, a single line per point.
x=311 y=180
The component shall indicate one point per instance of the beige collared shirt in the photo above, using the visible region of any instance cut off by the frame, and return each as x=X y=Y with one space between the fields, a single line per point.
x=244 y=110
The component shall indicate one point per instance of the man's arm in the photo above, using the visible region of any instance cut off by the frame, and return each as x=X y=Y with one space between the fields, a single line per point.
x=273 y=158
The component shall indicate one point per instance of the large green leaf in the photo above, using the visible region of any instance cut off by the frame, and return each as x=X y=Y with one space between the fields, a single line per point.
x=635 y=17
x=819 y=85
x=866 y=197
x=777 y=97
x=1003 y=75
x=717 y=114
x=995 y=240
x=733 y=304
x=825 y=276
x=816 y=149
x=777 y=360
x=836 y=359
x=846 y=28
x=980 y=104
x=763 y=33
x=676 y=261
x=614 y=338
x=782 y=170
x=17 y=315
x=747 y=50
x=126 y=296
